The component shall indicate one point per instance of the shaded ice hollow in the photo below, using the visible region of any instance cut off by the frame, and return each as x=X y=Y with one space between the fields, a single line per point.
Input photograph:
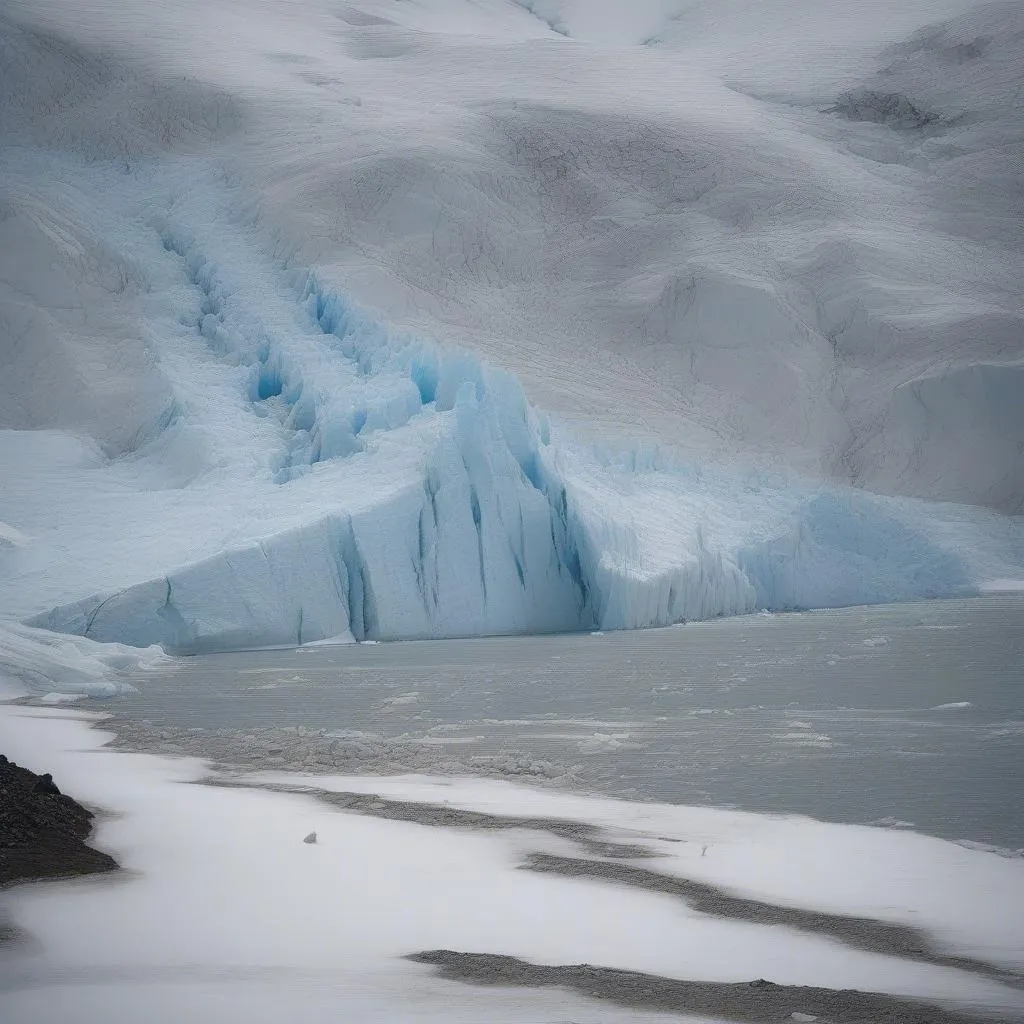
x=225 y=422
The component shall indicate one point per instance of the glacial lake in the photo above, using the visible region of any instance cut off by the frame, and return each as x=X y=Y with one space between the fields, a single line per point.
x=905 y=715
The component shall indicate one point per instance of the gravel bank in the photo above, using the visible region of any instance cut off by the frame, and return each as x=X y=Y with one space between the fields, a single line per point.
x=756 y=1001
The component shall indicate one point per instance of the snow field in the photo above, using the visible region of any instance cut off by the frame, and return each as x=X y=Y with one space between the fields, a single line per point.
x=222 y=889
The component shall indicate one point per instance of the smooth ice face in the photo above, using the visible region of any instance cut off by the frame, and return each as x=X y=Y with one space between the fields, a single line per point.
x=278 y=298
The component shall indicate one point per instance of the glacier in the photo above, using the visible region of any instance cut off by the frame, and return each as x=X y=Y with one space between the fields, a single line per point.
x=276 y=354
x=371 y=484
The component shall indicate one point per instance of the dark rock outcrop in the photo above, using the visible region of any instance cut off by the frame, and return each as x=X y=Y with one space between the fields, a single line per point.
x=889 y=108
x=43 y=832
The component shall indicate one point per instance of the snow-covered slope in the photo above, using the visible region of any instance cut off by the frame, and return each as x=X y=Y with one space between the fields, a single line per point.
x=283 y=287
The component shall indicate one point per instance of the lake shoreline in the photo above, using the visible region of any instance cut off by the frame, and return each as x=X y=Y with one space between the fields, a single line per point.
x=605 y=981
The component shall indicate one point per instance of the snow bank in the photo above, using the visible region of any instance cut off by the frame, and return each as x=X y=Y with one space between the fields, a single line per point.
x=74 y=355
x=307 y=930
x=935 y=422
x=44 y=663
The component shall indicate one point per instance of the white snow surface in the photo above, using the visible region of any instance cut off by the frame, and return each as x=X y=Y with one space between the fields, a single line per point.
x=285 y=285
x=311 y=930
x=908 y=878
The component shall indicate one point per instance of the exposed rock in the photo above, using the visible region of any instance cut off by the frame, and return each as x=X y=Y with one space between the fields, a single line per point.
x=45 y=784
x=43 y=832
x=889 y=108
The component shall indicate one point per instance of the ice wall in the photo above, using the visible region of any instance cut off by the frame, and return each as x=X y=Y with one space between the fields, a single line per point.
x=470 y=548
x=465 y=536
x=494 y=526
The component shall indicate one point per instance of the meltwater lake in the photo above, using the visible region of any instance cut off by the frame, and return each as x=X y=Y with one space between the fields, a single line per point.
x=907 y=716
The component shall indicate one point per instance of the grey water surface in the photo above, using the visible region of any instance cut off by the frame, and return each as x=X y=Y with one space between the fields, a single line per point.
x=902 y=715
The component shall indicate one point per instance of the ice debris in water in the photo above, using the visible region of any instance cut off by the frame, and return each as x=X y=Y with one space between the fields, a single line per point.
x=320 y=750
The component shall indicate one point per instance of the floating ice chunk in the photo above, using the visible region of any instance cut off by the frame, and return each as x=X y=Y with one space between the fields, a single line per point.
x=804 y=739
x=333 y=641
x=401 y=698
x=602 y=741
x=999 y=851
x=889 y=821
